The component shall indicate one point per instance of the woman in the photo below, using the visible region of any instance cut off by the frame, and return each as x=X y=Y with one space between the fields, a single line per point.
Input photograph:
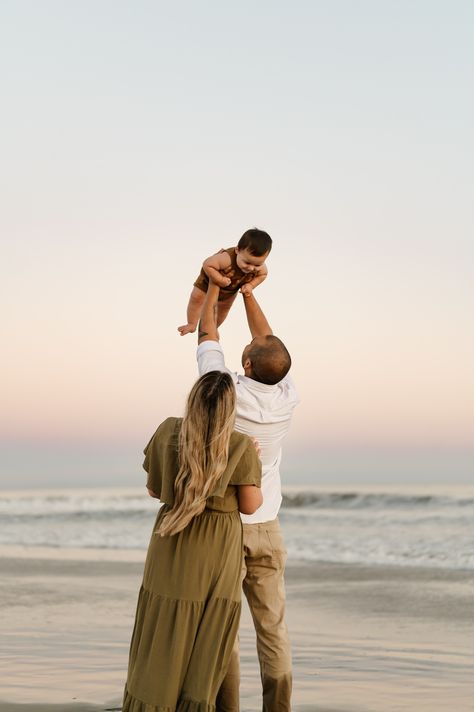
x=189 y=603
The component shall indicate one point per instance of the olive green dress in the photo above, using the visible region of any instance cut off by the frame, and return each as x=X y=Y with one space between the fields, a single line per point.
x=189 y=603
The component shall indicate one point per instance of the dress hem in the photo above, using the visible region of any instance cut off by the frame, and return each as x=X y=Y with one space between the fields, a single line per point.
x=184 y=704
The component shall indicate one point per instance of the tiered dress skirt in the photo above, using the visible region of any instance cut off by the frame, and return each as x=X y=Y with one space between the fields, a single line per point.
x=187 y=616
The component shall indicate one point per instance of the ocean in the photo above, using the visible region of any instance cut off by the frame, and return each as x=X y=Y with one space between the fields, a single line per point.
x=402 y=526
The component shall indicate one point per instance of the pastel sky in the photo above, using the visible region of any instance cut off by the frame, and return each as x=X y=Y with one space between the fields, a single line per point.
x=137 y=138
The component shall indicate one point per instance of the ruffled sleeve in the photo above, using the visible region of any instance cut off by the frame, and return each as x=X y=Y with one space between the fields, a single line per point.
x=161 y=460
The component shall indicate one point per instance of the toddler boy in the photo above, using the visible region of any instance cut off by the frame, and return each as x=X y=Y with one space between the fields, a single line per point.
x=242 y=267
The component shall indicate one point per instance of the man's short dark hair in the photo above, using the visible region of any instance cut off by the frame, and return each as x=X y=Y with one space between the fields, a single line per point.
x=257 y=242
x=270 y=360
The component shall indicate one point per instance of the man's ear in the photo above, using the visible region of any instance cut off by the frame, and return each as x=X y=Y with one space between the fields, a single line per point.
x=247 y=363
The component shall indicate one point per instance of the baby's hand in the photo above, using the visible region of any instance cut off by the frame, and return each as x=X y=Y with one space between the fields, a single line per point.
x=225 y=281
x=246 y=290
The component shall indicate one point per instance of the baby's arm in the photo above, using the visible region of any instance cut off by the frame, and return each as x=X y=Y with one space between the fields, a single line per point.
x=258 y=279
x=213 y=266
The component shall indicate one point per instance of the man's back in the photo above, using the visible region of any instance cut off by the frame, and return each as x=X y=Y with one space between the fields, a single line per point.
x=263 y=412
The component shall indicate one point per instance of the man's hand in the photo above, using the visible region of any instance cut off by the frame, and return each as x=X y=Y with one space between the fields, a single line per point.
x=215 y=266
x=217 y=277
x=246 y=290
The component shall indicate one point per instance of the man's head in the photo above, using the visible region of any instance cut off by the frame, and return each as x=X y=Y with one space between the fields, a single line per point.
x=253 y=249
x=266 y=360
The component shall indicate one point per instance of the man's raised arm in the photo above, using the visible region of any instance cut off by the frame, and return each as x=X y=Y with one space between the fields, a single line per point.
x=207 y=327
x=257 y=320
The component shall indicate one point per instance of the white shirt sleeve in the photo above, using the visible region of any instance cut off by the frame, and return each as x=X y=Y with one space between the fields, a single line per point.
x=210 y=357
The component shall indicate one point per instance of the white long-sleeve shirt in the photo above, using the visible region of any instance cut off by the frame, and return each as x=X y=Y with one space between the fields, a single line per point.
x=262 y=412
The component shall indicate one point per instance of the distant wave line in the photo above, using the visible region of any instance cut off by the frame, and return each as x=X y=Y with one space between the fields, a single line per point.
x=133 y=505
x=357 y=500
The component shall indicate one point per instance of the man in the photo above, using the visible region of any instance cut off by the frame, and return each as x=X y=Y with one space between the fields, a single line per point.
x=266 y=398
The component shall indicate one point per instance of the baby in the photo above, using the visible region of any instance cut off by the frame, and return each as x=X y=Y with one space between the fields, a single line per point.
x=242 y=267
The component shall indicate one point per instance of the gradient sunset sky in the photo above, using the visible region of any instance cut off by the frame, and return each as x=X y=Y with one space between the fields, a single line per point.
x=140 y=137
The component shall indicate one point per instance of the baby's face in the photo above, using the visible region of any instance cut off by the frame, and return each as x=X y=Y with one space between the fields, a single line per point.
x=249 y=263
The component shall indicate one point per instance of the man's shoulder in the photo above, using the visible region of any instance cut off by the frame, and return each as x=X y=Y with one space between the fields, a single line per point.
x=265 y=403
x=288 y=391
x=285 y=386
x=288 y=385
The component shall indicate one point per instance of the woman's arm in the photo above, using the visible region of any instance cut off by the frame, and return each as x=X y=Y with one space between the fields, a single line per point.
x=249 y=498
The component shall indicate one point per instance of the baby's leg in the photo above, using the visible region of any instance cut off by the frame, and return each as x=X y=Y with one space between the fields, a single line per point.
x=223 y=308
x=196 y=300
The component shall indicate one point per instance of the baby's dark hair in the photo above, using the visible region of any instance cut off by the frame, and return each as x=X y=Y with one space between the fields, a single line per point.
x=257 y=242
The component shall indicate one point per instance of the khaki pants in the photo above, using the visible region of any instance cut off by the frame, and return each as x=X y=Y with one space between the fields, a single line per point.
x=263 y=585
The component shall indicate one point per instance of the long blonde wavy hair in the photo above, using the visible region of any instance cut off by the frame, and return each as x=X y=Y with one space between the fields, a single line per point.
x=203 y=448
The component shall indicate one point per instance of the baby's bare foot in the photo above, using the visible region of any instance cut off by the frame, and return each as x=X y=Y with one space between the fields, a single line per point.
x=187 y=329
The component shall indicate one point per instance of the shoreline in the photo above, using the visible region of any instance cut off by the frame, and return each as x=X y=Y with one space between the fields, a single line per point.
x=364 y=638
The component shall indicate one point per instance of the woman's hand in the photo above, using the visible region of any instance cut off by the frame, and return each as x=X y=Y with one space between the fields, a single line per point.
x=257 y=446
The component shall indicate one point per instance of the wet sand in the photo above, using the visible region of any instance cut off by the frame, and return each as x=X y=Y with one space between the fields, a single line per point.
x=365 y=639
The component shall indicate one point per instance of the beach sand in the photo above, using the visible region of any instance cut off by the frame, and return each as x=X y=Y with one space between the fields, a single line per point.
x=365 y=639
